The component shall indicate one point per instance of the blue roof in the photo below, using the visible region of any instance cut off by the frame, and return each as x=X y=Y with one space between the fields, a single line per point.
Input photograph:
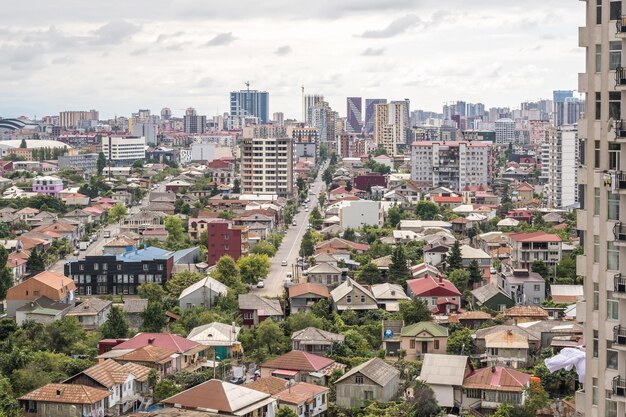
x=146 y=254
x=184 y=252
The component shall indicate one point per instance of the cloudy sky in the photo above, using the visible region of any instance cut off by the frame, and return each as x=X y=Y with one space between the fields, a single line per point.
x=118 y=56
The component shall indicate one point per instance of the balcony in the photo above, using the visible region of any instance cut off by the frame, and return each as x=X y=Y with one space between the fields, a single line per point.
x=621 y=27
x=619 y=386
x=581 y=311
x=619 y=286
x=615 y=180
x=619 y=232
x=620 y=131
x=620 y=78
x=619 y=337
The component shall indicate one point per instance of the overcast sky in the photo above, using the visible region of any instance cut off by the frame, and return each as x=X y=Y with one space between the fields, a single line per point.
x=118 y=56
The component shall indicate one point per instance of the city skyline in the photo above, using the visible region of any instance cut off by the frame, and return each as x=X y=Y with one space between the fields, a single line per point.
x=155 y=56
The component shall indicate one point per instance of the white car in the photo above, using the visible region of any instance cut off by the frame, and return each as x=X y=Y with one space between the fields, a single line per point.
x=284 y=263
x=260 y=284
x=306 y=209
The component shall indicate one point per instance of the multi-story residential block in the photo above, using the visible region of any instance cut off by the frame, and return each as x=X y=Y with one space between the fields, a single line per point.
x=322 y=117
x=123 y=150
x=306 y=141
x=87 y=162
x=48 y=185
x=354 y=122
x=452 y=165
x=505 y=131
x=391 y=124
x=560 y=166
x=523 y=286
x=250 y=103
x=370 y=104
x=357 y=214
x=193 y=123
x=226 y=239
x=267 y=161
x=309 y=101
x=71 y=118
x=527 y=248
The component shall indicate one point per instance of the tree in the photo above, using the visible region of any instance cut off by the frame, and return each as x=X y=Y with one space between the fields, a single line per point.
x=253 y=268
x=23 y=144
x=540 y=268
x=180 y=207
x=426 y=210
x=116 y=326
x=151 y=291
x=315 y=218
x=327 y=176
x=398 y=270
x=302 y=320
x=394 y=215
x=236 y=186
x=476 y=275
x=504 y=410
x=537 y=398
x=538 y=221
x=348 y=186
x=153 y=318
x=165 y=388
x=263 y=248
x=460 y=278
x=101 y=163
x=35 y=263
x=8 y=404
x=414 y=311
x=307 y=247
x=117 y=213
x=460 y=342
x=369 y=273
x=175 y=232
x=285 y=411
x=454 y=260
x=423 y=401
x=268 y=334
x=6 y=276
x=349 y=234
x=227 y=272
x=178 y=282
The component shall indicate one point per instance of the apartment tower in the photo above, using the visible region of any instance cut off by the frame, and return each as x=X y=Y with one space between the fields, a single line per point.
x=602 y=197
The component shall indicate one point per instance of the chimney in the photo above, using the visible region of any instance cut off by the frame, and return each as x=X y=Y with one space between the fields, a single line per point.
x=493 y=369
x=151 y=340
x=440 y=279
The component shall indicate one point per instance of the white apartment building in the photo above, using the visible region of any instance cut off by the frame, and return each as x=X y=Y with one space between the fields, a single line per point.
x=124 y=150
x=451 y=164
x=505 y=131
x=267 y=161
x=391 y=123
x=356 y=214
x=559 y=166
x=602 y=214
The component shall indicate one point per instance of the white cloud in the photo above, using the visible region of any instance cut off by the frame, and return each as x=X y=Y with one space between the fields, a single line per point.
x=283 y=50
x=221 y=39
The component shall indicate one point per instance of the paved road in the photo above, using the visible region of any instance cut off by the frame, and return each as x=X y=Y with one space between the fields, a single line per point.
x=290 y=247
x=97 y=246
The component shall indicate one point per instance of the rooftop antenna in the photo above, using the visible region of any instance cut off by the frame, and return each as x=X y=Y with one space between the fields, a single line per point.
x=247 y=83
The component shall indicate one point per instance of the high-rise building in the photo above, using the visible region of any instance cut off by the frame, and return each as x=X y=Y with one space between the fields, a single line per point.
x=278 y=118
x=166 y=113
x=451 y=164
x=267 y=161
x=306 y=141
x=309 y=101
x=391 y=125
x=323 y=118
x=144 y=124
x=193 y=123
x=354 y=114
x=601 y=217
x=369 y=113
x=559 y=110
x=250 y=103
x=505 y=131
x=70 y=119
x=559 y=164
x=123 y=150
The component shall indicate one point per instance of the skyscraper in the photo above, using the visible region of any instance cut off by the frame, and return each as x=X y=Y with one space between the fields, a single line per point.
x=323 y=118
x=601 y=218
x=250 y=103
x=194 y=123
x=391 y=125
x=369 y=113
x=354 y=114
x=559 y=163
x=308 y=101
x=559 y=111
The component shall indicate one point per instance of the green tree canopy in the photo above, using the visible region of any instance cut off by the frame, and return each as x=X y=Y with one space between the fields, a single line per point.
x=227 y=272
x=178 y=282
x=263 y=248
x=460 y=342
x=426 y=210
x=369 y=273
x=116 y=326
x=101 y=163
x=414 y=311
x=153 y=318
x=399 y=270
x=151 y=291
x=117 y=213
x=268 y=334
x=253 y=268
x=460 y=278
x=454 y=260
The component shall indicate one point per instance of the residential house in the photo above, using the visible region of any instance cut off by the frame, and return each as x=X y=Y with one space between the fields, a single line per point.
x=79 y=215
x=66 y=400
x=524 y=192
x=374 y=380
x=523 y=314
x=469 y=254
x=316 y=341
x=521 y=215
x=17 y=265
x=527 y=248
x=144 y=220
x=481 y=335
x=388 y=296
x=526 y=288
x=301 y=367
x=474 y=319
x=119 y=245
x=91 y=313
x=42 y=310
x=303 y=296
x=201 y=294
x=166 y=208
x=220 y=337
x=436 y=253
x=48 y=185
x=54 y=286
x=423 y=269
x=356 y=214
x=306 y=400
x=254 y=309
x=195 y=226
x=225 y=239
x=324 y=274
x=439 y=294
x=421 y=338
x=566 y=294
x=506 y=347
x=127 y=384
x=224 y=399
x=445 y=375
x=486 y=389
x=134 y=311
x=339 y=246
x=351 y=295
x=492 y=297
x=71 y=232
x=418 y=226
x=162 y=360
x=160 y=234
x=26 y=213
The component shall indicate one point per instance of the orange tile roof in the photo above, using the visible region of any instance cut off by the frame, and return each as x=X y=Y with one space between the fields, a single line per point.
x=152 y=354
x=299 y=393
x=535 y=237
x=270 y=385
x=526 y=311
x=301 y=289
x=66 y=394
x=298 y=361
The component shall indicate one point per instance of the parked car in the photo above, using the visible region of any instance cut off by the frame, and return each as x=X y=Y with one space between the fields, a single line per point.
x=236 y=380
x=284 y=263
x=293 y=223
x=260 y=284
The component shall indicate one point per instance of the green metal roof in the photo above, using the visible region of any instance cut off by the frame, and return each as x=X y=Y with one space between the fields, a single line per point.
x=425 y=326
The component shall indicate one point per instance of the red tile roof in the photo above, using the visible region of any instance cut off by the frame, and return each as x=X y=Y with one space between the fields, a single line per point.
x=438 y=199
x=497 y=379
x=164 y=340
x=535 y=237
x=432 y=287
x=297 y=360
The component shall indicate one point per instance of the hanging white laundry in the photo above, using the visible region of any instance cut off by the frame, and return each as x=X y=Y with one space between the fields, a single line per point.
x=568 y=358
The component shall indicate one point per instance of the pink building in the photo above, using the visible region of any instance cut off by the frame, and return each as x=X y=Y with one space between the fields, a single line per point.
x=48 y=185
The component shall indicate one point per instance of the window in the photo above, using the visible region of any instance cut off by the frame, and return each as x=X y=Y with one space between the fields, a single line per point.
x=412 y=344
x=105 y=267
x=596 y=249
x=146 y=267
x=615 y=11
x=189 y=306
x=598 y=58
x=612 y=257
x=615 y=103
x=613 y=206
x=595 y=344
x=119 y=267
x=610 y=410
x=598 y=12
x=248 y=316
x=611 y=359
x=598 y=105
x=596 y=201
x=160 y=267
x=537 y=287
x=473 y=393
x=436 y=344
x=362 y=299
x=96 y=267
x=369 y=395
x=594 y=391
x=612 y=308
x=536 y=300
x=596 y=152
x=615 y=59
x=349 y=299
x=358 y=379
